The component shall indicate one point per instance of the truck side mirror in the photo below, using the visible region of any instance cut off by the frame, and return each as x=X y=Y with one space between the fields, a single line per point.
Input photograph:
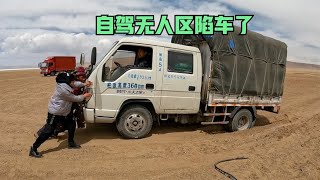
x=93 y=56
x=82 y=59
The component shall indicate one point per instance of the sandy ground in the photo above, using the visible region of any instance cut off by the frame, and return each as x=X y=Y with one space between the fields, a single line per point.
x=280 y=146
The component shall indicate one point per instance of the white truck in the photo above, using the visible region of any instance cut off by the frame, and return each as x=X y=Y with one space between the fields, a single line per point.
x=177 y=85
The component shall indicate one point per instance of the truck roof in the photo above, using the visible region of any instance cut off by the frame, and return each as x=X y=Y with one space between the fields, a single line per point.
x=159 y=43
x=61 y=57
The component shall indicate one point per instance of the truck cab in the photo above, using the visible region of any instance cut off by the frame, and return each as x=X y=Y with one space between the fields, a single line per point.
x=46 y=66
x=134 y=94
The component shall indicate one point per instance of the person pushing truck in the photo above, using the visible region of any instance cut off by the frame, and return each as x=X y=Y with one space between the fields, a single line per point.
x=74 y=117
x=59 y=108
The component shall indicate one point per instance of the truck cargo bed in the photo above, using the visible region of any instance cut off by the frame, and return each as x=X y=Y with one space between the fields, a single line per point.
x=240 y=69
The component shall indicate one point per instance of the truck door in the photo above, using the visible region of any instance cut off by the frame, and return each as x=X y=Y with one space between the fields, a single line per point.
x=123 y=77
x=180 y=82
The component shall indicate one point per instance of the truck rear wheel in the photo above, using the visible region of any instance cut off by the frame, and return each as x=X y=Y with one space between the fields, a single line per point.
x=135 y=122
x=241 y=121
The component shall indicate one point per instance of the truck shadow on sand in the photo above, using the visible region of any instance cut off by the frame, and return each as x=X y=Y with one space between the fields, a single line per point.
x=218 y=129
x=109 y=131
x=262 y=120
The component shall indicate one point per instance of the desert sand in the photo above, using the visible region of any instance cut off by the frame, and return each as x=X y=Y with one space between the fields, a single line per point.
x=280 y=146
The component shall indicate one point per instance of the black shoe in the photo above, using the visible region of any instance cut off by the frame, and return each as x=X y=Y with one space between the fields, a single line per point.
x=73 y=145
x=34 y=153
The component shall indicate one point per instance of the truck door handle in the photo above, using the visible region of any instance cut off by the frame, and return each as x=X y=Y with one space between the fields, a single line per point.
x=149 y=86
x=192 y=88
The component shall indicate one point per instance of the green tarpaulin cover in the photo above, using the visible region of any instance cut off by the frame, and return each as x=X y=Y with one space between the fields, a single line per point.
x=250 y=64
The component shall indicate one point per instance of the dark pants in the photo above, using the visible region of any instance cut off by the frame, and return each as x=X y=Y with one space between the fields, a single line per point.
x=70 y=125
x=51 y=125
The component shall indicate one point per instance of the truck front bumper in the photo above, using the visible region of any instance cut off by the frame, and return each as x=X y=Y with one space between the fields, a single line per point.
x=44 y=71
x=88 y=115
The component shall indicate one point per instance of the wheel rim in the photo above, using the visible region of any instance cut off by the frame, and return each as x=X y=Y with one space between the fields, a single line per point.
x=135 y=123
x=243 y=123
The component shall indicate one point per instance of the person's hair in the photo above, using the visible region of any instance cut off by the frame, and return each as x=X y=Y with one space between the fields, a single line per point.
x=143 y=49
x=65 y=78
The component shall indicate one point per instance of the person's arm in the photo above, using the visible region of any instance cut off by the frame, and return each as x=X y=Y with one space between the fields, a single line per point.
x=68 y=96
x=78 y=84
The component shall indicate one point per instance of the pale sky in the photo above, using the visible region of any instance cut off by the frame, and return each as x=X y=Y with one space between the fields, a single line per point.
x=32 y=30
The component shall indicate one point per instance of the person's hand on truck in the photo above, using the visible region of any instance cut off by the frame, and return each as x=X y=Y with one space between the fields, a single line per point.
x=88 y=83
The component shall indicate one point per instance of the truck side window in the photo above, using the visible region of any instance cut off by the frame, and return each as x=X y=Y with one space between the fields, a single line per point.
x=180 y=62
x=125 y=58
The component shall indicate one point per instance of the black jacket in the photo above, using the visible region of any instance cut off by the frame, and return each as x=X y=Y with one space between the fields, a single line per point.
x=145 y=62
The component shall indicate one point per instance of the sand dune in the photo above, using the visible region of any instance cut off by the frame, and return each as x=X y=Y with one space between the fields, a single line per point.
x=280 y=146
x=295 y=65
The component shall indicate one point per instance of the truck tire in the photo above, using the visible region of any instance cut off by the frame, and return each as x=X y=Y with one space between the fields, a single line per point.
x=45 y=74
x=242 y=120
x=53 y=73
x=135 y=122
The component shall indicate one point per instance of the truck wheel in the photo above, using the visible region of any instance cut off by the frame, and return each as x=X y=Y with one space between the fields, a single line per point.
x=45 y=74
x=241 y=121
x=135 y=122
x=52 y=73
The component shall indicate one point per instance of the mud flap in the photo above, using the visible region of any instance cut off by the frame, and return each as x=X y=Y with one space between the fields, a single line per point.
x=273 y=109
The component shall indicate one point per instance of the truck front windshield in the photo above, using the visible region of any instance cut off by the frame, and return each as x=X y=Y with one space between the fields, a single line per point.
x=118 y=64
x=114 y=44
x=43 y=65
